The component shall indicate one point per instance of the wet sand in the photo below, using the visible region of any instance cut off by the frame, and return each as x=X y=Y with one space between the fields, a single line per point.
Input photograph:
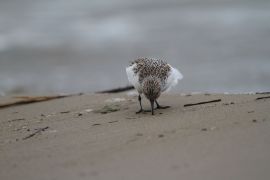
x=99 y=136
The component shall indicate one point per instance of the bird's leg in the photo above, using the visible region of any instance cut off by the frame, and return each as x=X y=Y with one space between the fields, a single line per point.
x=140 y=101
x=152 y=106
x=161 y=107
x=141 y=109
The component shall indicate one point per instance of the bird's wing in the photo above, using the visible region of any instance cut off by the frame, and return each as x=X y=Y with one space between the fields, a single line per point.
x=173 y=78
x=133 y=77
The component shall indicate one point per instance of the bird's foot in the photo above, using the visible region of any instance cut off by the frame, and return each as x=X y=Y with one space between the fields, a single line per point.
x=163 y=107
x=142 y=111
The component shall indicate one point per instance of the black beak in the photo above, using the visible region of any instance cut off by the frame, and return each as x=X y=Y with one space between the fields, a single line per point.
x=152 y=106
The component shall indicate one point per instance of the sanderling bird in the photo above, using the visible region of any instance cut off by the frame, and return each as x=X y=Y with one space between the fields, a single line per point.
x=151 y=77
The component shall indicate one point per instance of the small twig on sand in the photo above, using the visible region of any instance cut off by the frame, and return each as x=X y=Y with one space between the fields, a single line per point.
x=19 y=119
x=266 y=97
x=33 y=99
x=204 y=102
x=117 y=90
x=36 y=132
x=262 y=92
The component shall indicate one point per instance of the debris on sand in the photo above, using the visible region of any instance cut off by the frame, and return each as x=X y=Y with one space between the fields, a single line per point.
x=32 y=99
x=265 y=97
x=84 y=112
x=204 y=102
x=114 y=100
x=108 y=109
x=65 y=112
x=19 y=119
x=117 y=90
x=204 y=129
x=161 y=135
x=97 y=124
x=39 y=130
x=112 y=122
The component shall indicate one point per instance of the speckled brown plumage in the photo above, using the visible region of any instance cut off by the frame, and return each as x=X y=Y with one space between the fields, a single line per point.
x=151 y=67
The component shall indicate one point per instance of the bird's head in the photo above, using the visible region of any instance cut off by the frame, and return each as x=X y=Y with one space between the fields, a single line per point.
x=151 y=88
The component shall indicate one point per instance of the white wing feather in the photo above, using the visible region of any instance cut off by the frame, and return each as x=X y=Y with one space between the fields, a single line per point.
x=133 y=78
x=173 y=78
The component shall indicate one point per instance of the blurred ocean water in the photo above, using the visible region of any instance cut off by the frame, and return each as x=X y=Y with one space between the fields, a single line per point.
x=67 y=46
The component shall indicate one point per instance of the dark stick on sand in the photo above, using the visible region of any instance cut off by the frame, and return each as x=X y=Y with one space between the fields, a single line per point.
x=266 y=97
x=19 y=119
x=204 y=102
x=117 y=90
x=22 y=100
x=36 y=132
x=262 y=92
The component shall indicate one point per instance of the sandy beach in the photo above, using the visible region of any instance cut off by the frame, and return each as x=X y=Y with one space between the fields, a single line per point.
x=99 y=136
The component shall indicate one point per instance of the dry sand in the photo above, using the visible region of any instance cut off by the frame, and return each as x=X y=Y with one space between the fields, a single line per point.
x=70 y=138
